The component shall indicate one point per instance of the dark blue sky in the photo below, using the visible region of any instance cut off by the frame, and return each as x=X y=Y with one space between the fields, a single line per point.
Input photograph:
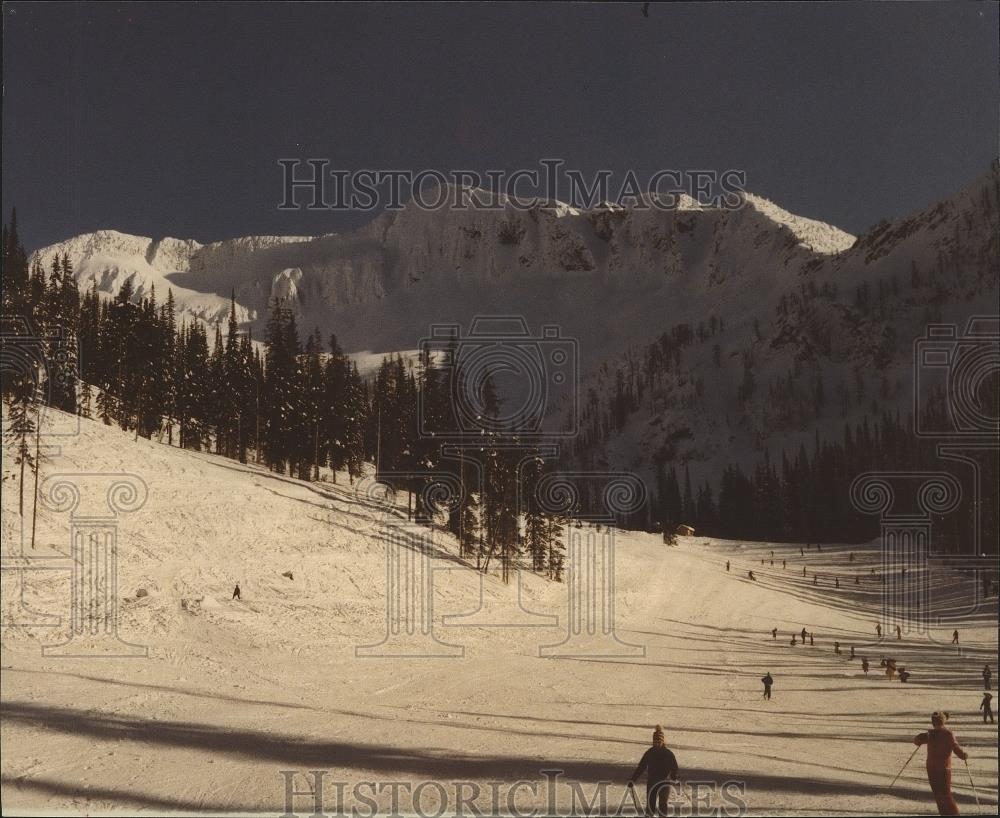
x=168 y=120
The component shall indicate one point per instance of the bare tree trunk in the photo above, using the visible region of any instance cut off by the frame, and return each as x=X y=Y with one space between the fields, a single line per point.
x=38 y=468
x=24 y=453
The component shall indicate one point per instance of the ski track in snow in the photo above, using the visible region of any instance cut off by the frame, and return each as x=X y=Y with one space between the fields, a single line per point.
x=234 y=692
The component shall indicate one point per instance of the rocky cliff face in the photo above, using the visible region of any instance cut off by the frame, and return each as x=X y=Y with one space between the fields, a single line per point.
x=593 y=272
x=771 y=299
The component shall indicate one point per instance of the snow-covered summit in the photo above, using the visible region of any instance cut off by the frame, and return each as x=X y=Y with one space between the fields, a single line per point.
x=817 y=236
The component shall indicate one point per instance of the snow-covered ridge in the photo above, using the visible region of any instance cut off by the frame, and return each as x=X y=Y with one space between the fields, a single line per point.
x=611 y=274
x=818 y=236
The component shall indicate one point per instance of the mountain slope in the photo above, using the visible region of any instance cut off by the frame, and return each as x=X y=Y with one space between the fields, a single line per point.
x=232 y=693
x=381 y=287
x=775 y=303
x=803 y=351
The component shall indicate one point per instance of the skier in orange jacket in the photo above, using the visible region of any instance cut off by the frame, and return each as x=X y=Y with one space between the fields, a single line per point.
x=941 y=744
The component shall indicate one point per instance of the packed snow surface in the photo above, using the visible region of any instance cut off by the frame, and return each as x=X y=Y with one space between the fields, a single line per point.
x=234 y=692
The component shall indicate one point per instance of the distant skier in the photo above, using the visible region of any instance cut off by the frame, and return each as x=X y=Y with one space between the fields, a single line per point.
x=802 y=551
x=836 y=582
x=865 y=665
x=941 y=744
x=774 y=633
x=852 y=651
x=954 y=637
x=236 y=592
x=794 y=643
x=660 y=766
x=987 y=676
x=804 y=636
x=727 y=566
x=784 y=563
x=812 y=639
x=986 y=705
x=768 y=681
x=899 y=632
x=815 y=580
x=836 y=648
x=803 y=570
x=890 y=669
x=904 y=674
x=752 y=577
x=878 y=630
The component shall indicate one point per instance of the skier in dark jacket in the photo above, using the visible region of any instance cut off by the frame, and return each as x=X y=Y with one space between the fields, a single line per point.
x=660 y=766
x=236 y=591
x=986 y=705
x=987 y=676
x=864 y=665
x=768 y=681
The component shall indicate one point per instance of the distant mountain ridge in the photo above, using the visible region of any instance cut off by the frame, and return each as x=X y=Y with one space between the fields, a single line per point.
x=791 y=300
x=448 y=259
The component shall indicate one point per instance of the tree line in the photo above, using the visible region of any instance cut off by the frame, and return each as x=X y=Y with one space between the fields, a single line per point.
x=295 y=407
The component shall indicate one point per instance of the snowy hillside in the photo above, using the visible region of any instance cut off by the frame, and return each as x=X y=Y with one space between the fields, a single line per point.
x=801 y=348
x=233 y=692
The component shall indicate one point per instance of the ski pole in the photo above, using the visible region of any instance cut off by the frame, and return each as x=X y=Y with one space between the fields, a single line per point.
x=635 y=799
x=973 y=783
x=907 y=764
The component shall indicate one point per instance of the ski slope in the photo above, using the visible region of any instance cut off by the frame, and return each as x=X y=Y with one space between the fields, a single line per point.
x=234 y=692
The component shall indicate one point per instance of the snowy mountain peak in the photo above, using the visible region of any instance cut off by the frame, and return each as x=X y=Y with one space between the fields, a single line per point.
x=817 y=236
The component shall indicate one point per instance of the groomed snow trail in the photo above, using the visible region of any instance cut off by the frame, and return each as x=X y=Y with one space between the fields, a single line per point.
x=232 y=693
